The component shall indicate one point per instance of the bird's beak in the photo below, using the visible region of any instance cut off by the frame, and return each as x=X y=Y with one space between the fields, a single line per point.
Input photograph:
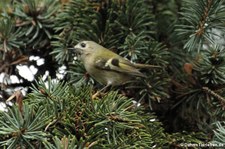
x=77 y=49
x=70 y=48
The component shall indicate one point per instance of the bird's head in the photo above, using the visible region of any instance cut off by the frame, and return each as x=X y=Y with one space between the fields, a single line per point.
x=85 y=48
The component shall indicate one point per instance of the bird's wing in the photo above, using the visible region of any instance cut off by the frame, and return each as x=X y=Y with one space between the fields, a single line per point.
x=115 y=64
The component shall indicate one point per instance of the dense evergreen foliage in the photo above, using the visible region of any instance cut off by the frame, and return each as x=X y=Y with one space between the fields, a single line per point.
x=178 y=105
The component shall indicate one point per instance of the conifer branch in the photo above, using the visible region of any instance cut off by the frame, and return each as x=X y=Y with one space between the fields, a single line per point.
x=214 y=94
x=201 y=27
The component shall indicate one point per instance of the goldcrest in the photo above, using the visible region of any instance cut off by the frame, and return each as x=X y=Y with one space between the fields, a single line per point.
x=105 y=66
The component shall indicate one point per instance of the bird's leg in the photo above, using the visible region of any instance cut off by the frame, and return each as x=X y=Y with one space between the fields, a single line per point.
x=98 y=92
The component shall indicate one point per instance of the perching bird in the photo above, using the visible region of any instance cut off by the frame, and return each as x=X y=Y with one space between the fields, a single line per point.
x=105 y=66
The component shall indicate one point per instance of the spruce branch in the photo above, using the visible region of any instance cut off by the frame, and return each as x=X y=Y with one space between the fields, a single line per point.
x=199 y=21
x=201 y=26
x=9 y=36
x=23 y=129
x=35 y=20
x=219 y=133
x=214 y=94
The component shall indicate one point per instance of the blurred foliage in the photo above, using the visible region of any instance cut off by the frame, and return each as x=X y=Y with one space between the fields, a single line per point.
x=26 y=30
x=36 y=20
x=185 y=96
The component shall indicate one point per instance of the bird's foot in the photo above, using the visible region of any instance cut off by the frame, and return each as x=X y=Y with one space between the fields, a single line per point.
x=95 y=95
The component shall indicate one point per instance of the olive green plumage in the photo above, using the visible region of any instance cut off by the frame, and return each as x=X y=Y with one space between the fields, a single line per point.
x=105 y=66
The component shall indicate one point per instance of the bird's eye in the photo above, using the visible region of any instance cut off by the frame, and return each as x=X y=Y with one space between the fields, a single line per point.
x=83 y=45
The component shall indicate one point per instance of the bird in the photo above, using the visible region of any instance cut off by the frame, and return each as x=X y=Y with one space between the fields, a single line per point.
x=107 y=67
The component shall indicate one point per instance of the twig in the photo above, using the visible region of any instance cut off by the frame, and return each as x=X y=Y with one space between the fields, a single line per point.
x=214 y=94
x=201 y=26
